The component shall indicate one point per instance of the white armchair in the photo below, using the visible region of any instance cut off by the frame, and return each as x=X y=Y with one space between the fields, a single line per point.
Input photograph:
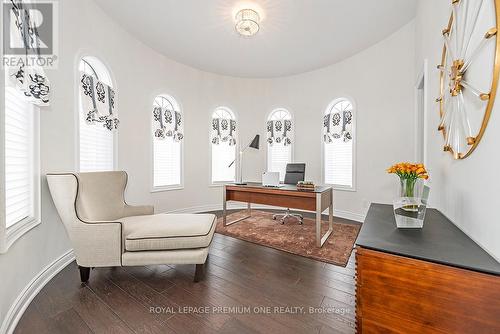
x=105 y=231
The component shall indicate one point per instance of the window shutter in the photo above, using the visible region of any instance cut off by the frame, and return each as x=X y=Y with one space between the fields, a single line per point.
x=223 y=139
x=96 y=136
x=222 y=156
x=167 y=137
x=338 y=144
x=19 y=158
x=279 y=141
x=167 y=162
x=278 y=157
x=338 y=163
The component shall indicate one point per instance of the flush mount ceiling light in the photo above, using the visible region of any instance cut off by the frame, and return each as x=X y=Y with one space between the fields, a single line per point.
x=247 y=22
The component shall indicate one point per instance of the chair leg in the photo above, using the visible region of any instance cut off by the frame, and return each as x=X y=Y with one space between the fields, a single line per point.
x=198 y=275
x=84 y=274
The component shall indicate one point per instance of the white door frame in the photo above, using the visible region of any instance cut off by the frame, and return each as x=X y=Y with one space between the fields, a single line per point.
x=421 y=86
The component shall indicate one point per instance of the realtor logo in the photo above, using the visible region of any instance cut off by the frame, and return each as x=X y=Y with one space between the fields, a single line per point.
x=29 y=33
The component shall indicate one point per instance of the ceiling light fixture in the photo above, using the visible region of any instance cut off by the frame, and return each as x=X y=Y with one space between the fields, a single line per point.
x=247 y=22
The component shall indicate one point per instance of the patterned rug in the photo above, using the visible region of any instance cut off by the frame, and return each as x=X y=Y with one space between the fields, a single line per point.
x=293 y=238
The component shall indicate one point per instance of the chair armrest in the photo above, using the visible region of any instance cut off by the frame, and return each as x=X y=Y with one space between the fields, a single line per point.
x=97 y=244
x=138 y=210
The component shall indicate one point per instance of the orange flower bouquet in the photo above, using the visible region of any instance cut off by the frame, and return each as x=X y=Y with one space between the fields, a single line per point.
x=408 y=175
x=410 y=206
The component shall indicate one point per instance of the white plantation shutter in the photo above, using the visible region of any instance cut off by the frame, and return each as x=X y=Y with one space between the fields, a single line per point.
x=223 y=153
x=96 y=147
x=97 y=144
x=20 y=158
x=167 y=152
x=222 y=156
x=167 y=162
x=338 y=163
x=338 y=148
x=279 y=154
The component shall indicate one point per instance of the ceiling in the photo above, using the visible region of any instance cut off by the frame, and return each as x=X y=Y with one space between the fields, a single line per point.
x=296 y=35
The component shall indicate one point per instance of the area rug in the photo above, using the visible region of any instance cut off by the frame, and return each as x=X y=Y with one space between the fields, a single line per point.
x=292 y=237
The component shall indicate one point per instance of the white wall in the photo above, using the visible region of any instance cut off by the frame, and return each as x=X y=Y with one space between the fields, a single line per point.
x=379 y=79
x=466 y=191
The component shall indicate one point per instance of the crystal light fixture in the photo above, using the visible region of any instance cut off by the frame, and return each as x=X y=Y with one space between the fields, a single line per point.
x=247 y=22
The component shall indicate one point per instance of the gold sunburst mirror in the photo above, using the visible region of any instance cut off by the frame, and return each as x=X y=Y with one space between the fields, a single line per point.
x=469 y=71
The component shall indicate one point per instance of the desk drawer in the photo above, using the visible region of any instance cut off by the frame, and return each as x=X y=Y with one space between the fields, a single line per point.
x=286 y=201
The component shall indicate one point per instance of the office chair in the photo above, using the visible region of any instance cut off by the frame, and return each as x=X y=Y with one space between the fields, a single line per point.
x=294 y=173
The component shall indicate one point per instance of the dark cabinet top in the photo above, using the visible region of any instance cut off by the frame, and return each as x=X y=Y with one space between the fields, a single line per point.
x=439 y=241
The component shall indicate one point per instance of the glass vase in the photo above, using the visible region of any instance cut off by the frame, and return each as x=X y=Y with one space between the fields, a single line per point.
x=411 y=203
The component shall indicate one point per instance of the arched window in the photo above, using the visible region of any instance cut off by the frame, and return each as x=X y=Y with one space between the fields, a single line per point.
x=96 y=142
x=279 y=141
x=338 y=144
x=223 y=142
x=167 y=143
x=20 y=155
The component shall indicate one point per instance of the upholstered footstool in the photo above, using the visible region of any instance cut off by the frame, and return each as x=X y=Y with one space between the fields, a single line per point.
x=168 y=239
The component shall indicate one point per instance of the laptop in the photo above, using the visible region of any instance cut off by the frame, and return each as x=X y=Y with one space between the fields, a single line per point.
x=271 y=179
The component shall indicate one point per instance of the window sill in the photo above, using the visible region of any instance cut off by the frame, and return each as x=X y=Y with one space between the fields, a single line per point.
x=169 y=188
x=220 y=184
x=16 y=231
x=341 y=188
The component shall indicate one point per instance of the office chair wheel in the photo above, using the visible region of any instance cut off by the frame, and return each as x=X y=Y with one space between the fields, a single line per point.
x=282 y=222
x=301 y=222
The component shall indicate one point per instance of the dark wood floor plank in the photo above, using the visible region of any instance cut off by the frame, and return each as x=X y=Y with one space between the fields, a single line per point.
x=61 y=293
x=270 y=283
x=152 y=277
x=162 y=306
x=130 y=310
x=236 y=326
x=293 y=273
x=280 y=295
x=119 y=300
x=33 y=321
x=186 y=300
x=70 y=322
x=98 y=316
x=220 y=293
x=231 y=246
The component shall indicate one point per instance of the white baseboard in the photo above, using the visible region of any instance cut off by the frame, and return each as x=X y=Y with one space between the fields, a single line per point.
x=214 y=207
x=349 y=215
x=32 y=289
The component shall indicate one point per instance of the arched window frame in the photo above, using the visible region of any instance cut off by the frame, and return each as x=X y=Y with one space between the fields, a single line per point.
x=354 y=139
x=96 y=66
x=177 y=107
x=277 y=114
x=9 y=233
x=220 y=111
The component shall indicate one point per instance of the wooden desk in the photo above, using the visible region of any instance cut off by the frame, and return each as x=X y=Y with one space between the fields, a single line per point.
x=286 y=196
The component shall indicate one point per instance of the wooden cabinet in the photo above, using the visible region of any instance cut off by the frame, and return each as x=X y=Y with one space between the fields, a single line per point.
x=399 y=294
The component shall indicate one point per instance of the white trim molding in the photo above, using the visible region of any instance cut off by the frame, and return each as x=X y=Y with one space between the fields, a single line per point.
x=32 y=289
x=421 y=87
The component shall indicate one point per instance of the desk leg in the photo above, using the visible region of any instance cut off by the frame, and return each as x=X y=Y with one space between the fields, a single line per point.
x=320 y=240
x=225 y=223
x=224 y=206
x=330 y=211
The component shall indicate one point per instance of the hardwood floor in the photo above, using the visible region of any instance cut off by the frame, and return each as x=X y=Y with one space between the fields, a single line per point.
x=249 y=281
